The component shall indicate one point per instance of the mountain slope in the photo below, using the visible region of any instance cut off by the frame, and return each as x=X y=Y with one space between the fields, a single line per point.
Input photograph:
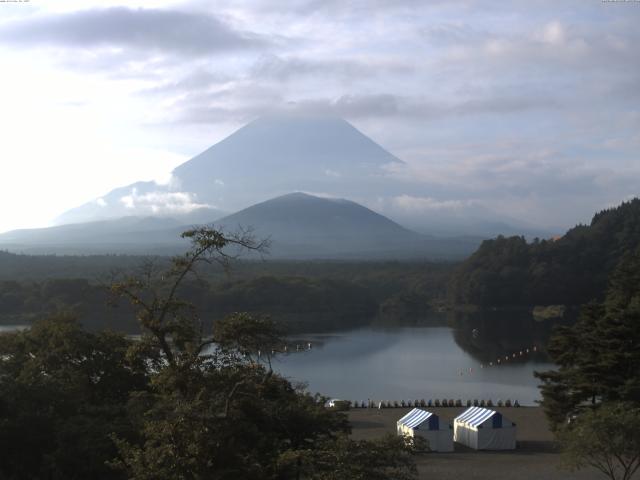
x=122 y=235
x=277 y=154
x=304 y=226
x=300 y=226
x=270 y=156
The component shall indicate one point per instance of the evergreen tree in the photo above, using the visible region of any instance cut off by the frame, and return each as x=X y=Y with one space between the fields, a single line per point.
x=598 y=357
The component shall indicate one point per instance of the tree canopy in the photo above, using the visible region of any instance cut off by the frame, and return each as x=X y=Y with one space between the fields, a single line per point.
x=607 y=439
x=599 y=356
x=570 y=270
x=179 y=402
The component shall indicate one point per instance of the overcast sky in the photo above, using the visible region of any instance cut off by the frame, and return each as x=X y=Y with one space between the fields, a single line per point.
x=530 y=108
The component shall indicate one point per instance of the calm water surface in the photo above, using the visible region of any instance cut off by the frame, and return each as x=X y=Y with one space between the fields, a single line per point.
x=414 y=363
x=423 y=362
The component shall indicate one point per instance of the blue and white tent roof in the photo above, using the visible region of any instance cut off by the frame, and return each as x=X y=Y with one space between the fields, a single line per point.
x=475 y=416
x=415 y=418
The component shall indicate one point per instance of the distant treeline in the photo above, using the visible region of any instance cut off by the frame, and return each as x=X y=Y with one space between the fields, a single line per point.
x=571 y=270
x=304 y=296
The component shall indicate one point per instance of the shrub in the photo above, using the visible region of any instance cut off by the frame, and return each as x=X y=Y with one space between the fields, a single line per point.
x=475 y=402
x=507 y=403
x=451 y=403
x=482 y=403
x=468 y=403
x=500 y=404
x=516 y=404
x=395 y=404
x=437 y=402
x=489 y=403
x=458 y=403
x=422 y=403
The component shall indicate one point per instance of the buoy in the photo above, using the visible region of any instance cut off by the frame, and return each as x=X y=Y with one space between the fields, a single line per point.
x=491 y=364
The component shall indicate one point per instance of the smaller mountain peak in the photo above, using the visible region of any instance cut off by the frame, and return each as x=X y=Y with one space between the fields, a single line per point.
x=305 y=196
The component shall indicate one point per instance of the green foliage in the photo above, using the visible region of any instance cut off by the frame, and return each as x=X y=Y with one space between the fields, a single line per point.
x=175 y=403
x=599 y=356
x=571 y=270
x=302 y=304
x=63 y=391
x=303 y=296
x=606 y=438
x=389 y=458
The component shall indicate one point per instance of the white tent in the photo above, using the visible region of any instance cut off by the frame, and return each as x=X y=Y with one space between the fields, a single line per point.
x=484 y=429
x=425 y=424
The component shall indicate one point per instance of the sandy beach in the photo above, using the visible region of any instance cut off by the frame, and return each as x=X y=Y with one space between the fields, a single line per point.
x=535 y=458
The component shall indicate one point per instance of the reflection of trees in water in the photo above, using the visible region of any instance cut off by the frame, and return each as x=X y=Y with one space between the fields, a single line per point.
x=393 y=320
x=489 y=335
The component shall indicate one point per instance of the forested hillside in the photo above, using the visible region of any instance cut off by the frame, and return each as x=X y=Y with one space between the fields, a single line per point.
x=304 y=296
x=571 y=270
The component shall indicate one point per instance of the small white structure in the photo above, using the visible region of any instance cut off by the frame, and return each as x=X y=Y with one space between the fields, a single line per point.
x=484 y=429
x=427 y=425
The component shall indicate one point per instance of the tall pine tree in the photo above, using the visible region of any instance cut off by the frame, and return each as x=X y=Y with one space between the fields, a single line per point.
x=599 y=356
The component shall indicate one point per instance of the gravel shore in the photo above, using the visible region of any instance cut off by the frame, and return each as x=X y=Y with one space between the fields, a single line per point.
x=535 y=458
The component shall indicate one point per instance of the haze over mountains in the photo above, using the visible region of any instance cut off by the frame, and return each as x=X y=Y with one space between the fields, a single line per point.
x=253 y=172
x=270 y=156
x=298 y=226
x=279 y=154
x=302 y=226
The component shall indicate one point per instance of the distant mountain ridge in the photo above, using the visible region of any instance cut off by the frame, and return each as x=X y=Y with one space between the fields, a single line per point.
x=270 y=156
x=282 y=153
x=301 y=214
x=300 y=226
x=131 y=235
x=305 y=226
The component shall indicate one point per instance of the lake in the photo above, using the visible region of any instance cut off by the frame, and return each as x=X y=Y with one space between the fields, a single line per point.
x=409 y=363
x=453 y=357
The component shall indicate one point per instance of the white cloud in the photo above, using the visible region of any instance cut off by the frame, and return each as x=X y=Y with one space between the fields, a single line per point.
x=161 y=203
x=423 y=204
x=553 y=33
x=451 y=79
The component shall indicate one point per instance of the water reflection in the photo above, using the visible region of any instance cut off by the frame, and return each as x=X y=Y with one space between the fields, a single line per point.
x=12 y=328
x=423 y=362
x=488 y=336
